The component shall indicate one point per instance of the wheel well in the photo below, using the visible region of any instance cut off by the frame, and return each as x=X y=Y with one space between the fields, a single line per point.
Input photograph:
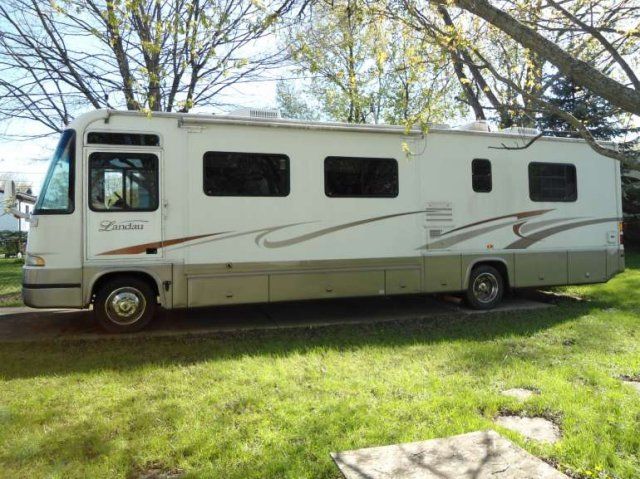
x=499 y=265
x=116 y=274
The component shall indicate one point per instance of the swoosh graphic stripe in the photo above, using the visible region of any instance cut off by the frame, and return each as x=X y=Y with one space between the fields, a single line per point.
x=460 y=237
x=535 y=225
x=520 y=215
x=332 y=229
x=261 y=232
x=141 y=248
x=524 y=243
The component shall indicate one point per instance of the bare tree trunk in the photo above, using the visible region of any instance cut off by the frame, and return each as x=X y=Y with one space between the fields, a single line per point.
x=458 y=67
x=603 y=41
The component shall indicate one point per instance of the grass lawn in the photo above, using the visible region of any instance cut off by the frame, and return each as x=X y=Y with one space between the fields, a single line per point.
x=274 y=404
x=10 y=279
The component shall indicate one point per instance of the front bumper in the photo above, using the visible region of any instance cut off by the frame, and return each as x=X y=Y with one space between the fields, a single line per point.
x=51 y=287
x=52 y=297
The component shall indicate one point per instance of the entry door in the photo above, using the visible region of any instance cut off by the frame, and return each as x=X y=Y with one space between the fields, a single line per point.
x=124 y=204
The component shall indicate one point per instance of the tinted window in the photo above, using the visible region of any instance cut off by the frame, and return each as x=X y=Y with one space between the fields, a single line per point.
x=57 y=192
x=552 y=182
x=131 y=139
x=123 y=181
x=360 y=177
x=481 y=176
x=245 y=174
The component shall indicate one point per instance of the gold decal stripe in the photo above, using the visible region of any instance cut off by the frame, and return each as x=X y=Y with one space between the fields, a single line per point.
x=141 y=248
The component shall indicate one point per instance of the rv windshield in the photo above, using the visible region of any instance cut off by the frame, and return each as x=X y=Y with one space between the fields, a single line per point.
x=56 y=196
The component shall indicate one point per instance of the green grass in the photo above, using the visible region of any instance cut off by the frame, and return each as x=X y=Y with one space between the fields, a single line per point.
x=274 y=404
x=10 y=279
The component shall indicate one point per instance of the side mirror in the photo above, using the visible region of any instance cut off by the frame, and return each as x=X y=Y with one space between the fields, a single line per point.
x=10 y=202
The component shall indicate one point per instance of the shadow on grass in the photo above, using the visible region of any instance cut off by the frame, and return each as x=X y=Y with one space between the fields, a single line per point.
x=25 y=360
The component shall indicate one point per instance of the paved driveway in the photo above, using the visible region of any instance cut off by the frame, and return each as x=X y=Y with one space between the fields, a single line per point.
x=26 y=324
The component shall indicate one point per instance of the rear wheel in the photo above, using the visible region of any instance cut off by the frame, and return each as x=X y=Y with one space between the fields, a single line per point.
x=125 y=304
x=486 y=287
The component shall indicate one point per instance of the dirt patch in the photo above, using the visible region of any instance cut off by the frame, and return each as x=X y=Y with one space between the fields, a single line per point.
x=553 y=297
x=156 y=470
x=536 y=428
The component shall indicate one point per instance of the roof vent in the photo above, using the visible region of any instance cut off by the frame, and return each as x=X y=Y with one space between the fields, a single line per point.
x=518 y=130
x=478 y=125
x=256 y=113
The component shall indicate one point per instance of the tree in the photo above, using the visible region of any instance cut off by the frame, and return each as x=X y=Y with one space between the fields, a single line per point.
x=335 y=46
x=292 y=105
x=367 y=67
x=596 y=115
x=526 y=47
x=57 y=58
x=421 y=88
x=583 y=73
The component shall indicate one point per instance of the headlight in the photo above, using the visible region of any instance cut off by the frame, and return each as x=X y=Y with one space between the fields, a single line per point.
x=33 y=260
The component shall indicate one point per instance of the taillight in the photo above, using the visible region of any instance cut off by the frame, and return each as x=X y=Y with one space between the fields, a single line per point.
x=621 y=232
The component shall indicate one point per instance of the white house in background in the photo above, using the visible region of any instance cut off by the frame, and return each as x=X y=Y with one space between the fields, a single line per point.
x=25 y=204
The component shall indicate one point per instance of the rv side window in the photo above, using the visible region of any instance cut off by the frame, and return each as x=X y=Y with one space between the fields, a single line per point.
x=349 y=177
x=130 y=139
x=245 y=174
x=552 y=182
x=123 y=182
x=481 y=176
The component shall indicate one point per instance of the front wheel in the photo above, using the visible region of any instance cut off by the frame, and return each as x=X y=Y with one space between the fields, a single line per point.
x=124 y=305
x=486 y=287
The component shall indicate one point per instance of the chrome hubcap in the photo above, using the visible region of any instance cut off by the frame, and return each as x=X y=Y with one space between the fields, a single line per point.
x=485 y=287
x=125 y=306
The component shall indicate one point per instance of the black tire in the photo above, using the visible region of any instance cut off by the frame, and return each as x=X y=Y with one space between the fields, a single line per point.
x=135 y=308
x=486 y=287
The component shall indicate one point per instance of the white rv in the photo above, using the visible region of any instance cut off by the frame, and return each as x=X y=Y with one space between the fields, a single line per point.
x=178 y=210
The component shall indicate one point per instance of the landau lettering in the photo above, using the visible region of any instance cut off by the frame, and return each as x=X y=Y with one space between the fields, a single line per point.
x=109 y=225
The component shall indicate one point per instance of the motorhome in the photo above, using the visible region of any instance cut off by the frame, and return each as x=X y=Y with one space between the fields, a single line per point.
x=168 y=210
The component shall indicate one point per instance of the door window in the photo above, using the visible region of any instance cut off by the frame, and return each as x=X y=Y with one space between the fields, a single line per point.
x=123 y=182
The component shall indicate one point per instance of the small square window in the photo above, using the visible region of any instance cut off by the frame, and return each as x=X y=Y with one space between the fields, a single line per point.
x=481 y=176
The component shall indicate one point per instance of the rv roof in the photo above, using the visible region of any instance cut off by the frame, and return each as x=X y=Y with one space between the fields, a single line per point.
x=186 y=119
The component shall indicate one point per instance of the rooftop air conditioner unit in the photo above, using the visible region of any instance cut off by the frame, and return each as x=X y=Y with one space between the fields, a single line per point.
x=263 y=114
x=518 y=130
x=478 y=125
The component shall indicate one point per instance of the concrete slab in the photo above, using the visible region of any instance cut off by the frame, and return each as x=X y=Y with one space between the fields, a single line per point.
x=477 y=455
x=536 y=428
x=634 y=384
x=26 y=324
x=519 y=393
